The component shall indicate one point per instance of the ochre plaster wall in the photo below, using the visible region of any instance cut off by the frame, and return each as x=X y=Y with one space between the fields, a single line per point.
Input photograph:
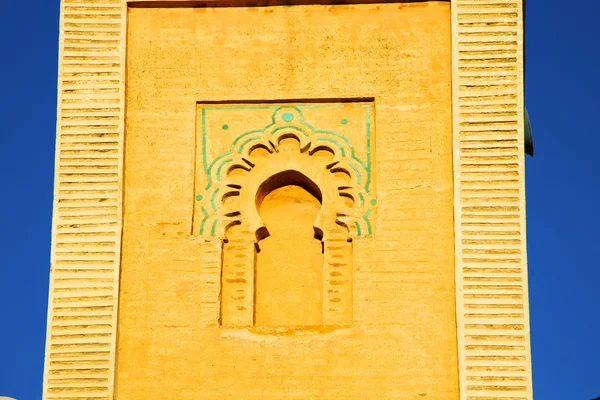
x=402 y=344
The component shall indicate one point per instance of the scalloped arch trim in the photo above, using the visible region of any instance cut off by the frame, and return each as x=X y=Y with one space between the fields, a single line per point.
x=343 y=171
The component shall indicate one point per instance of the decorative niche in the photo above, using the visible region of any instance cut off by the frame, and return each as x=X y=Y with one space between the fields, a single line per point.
x=286 y=188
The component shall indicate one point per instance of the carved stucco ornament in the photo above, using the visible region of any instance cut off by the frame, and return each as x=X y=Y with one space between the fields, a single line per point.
x=257 y=159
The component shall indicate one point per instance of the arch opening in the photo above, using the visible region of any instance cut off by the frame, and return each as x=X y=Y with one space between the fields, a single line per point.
x=289 y=266
x=285 y=178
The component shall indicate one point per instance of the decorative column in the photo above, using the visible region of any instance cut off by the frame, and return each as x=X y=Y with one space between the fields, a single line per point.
x=489 y=178
x=87 y=212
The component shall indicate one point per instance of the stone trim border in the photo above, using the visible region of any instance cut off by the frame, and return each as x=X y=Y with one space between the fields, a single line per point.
x=87 y=211
x=489 y=199
x=488 y=126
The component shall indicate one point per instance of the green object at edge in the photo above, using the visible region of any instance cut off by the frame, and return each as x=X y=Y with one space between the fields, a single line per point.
x=528 y=135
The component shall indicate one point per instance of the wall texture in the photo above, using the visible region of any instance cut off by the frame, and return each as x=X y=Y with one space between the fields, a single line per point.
x=489 y=266
x=402 y=342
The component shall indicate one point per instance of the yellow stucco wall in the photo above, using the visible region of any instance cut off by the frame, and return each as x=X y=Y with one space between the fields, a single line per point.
x=402 y=343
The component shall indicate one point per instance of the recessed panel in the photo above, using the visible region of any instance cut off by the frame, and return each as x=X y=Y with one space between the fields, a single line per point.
x=244 y=122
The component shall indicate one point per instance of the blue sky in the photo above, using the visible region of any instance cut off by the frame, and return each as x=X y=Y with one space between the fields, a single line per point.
x=563 y=185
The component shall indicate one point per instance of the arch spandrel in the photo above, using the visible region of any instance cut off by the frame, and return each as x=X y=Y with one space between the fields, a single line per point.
x=288 y=143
